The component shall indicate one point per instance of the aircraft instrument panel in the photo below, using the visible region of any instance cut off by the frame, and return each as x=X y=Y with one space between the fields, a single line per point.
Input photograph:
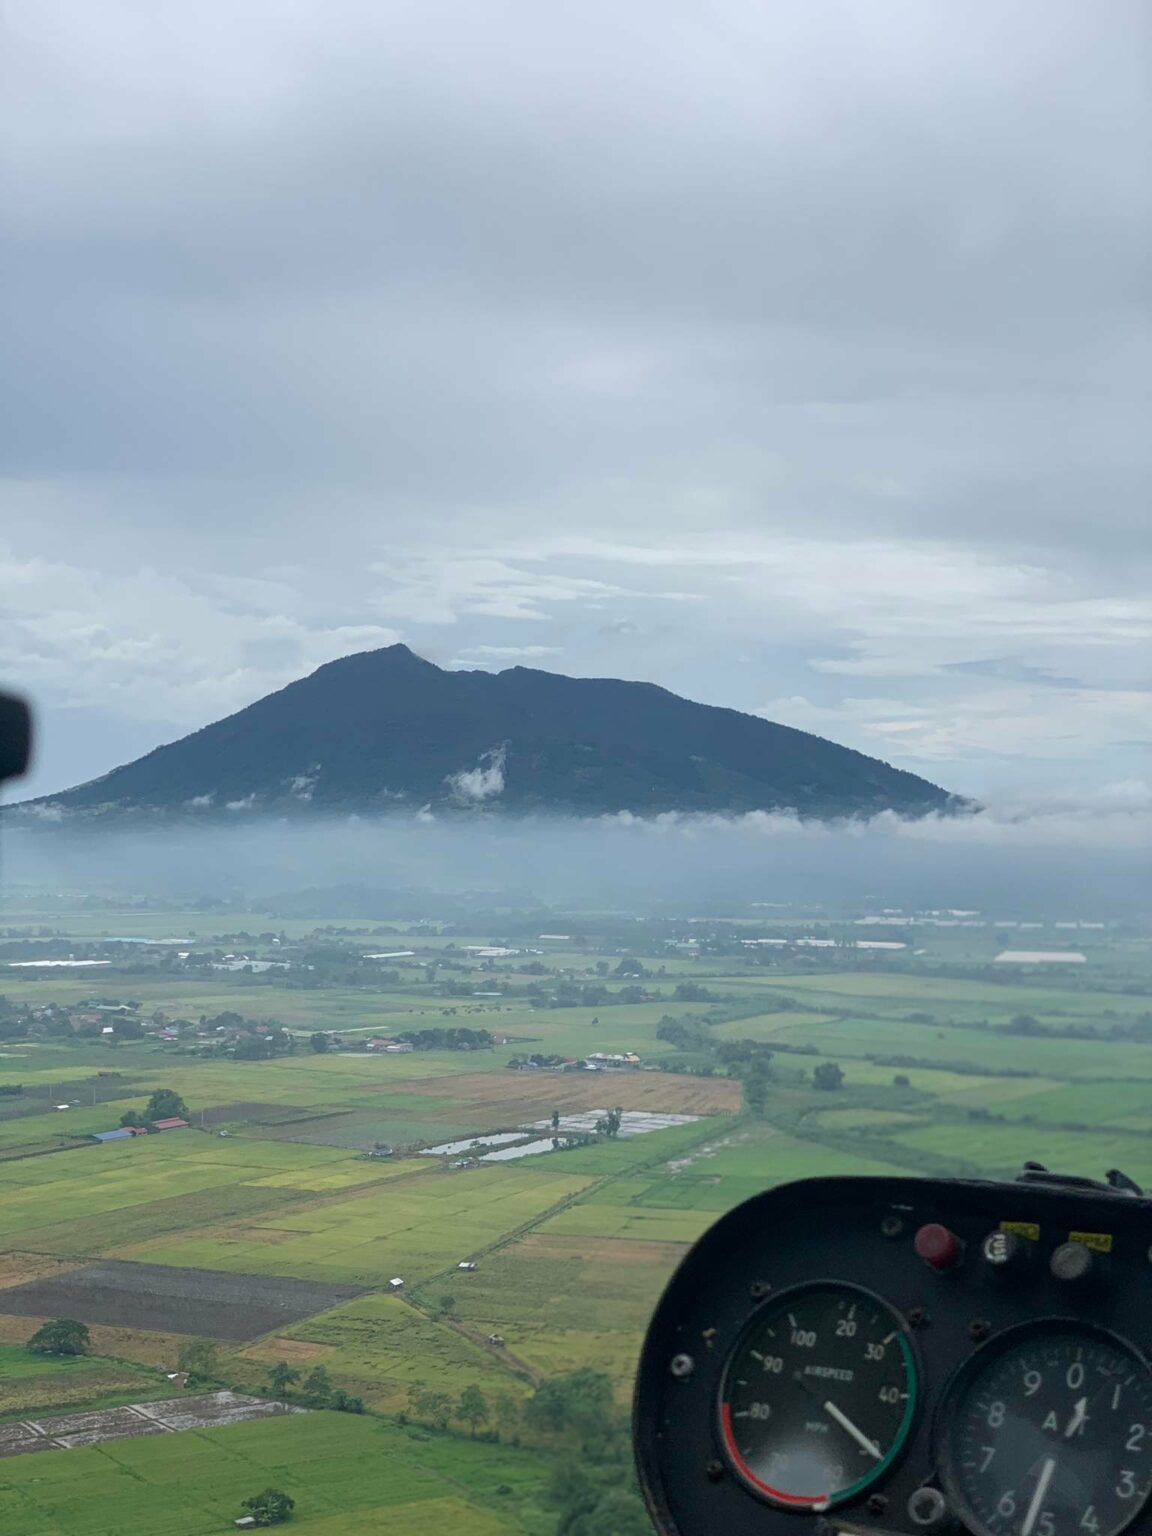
x=901 y=1355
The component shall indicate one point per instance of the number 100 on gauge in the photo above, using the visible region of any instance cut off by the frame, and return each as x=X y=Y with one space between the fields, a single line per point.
x=818 y=1396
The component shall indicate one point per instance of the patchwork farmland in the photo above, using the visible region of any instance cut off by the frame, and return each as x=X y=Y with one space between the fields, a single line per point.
x=326 y=1207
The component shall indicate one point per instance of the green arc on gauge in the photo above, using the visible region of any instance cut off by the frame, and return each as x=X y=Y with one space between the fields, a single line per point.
x=901 y=1435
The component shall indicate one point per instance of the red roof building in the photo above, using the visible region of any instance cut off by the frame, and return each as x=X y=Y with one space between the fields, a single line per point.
x=173 y=1124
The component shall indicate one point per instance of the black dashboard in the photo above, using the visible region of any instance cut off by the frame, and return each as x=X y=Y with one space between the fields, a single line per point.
x=900 y=1355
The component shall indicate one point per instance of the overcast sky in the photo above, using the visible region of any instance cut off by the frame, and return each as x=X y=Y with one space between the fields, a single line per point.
x=792 y=354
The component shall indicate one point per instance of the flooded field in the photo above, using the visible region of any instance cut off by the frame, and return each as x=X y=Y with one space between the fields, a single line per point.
x=72 y=1430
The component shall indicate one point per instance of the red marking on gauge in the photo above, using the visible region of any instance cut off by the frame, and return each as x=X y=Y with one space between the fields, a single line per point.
x=809 y=1499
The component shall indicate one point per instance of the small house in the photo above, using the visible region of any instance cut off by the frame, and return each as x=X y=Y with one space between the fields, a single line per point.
x=173 y=1123
x=396 y=1285
x=121 y=1134
x=468 y=1264
x=497 y=1339
x=245 y=1523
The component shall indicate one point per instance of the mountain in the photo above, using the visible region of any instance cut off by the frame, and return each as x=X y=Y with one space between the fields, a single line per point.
x=385 y=730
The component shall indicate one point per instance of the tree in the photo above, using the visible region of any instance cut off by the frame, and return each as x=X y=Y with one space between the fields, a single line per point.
x=319 y=1042
x=436 y=1407
x=472 y=1407
x=757 y=1076
x=508 y=1412
x=272 y=1506
x=166 y=1104
x=130 y=1117
x=630 y=966
x=447 y=1305
x=692 y=992
x=318 y=1385
x=555 y=1119
x=609 y=1123
x=282 y=1375
x=827 y=1075
x=581 y=1400
x=615 y=1513
x=198 y=1358
x=62 y=1336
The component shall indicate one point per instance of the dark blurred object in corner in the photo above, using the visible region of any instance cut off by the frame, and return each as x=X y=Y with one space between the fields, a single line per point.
x=15 y=736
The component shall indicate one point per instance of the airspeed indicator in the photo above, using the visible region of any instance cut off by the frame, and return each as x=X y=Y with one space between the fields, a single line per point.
x=818 y=1396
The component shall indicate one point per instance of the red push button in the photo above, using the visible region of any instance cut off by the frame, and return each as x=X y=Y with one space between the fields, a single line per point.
x=939 y=1248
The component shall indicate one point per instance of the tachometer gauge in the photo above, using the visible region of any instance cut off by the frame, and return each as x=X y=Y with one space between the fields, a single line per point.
x=818 y=1396
x=1047 y=1431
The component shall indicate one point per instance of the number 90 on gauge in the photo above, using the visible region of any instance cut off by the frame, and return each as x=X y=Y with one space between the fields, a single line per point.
x=818 y=1396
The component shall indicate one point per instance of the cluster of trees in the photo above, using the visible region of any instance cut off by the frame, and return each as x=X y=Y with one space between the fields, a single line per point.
x=609 y=1123
x=693 y=992
x=454 y=1038
x=565 y=993
x=316 y=1389
x=165 y=1104
x=125 y=1026
x=828 y=1075
x=595 y=1490
x=247 y=1039
x=271 y=1506
x=684 y=1034
x=438 y=1409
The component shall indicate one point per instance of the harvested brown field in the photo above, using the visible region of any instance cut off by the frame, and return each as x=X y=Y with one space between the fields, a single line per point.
x=140 y=1345
x=295 y=1351
x=19 y=1268
x=33 y=1396
x=206 y=1302
x=526 y=1096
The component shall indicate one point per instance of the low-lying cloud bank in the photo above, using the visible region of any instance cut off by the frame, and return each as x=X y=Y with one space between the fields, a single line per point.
x=1070 y=857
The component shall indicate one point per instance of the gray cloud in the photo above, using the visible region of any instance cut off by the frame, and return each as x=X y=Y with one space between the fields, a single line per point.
x=809 y=342
x=1070 y=857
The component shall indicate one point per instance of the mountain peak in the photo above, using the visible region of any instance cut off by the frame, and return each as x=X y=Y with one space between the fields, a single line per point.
x=385 y=729
x=384 y=658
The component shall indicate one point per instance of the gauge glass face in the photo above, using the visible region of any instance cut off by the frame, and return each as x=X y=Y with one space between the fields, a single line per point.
x=818 y=1396
x=1048 y=1432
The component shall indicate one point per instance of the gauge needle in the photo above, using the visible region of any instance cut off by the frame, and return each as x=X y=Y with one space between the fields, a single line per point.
x=1079 y=1414
x=1039 y=1496
x=861 y=1439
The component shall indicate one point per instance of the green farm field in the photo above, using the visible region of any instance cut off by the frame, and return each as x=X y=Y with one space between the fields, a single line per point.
x=572 y=1247
x=360 y=1477
x=415 y=1228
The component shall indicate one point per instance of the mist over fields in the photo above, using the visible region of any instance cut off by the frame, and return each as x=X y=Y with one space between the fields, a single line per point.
x=1065 y=858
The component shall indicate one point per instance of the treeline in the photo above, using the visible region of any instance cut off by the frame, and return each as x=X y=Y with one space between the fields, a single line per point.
x=1136 y=1027
x=454 y=1038
x=593 y=1487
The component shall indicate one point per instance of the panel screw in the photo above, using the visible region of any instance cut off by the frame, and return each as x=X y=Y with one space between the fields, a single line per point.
x=714 y=1471
x=682 y=1366
x=927 y=1507
x=759 y=1289
x=979 y=1328
x=918 y=1318
x=877 y=1504
x=891 y=1226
